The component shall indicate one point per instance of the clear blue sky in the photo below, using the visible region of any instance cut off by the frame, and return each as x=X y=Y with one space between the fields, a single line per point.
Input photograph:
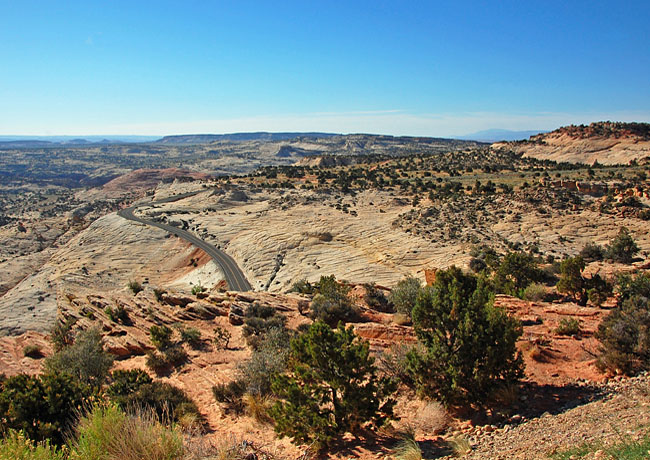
x=397 y=67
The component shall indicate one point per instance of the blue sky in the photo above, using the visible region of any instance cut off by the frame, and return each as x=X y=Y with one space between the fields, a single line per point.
x=396 y=67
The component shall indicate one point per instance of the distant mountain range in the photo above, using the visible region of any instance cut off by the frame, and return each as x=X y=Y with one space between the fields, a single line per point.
x=496 y=135
x=238 y=137
x=55 y=141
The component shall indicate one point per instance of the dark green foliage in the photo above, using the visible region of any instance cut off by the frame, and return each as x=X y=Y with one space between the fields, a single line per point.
x=174 y=356
x=625 y=333
x=376 y=299
x=483 y=257
x=331 y=387
x=515 y=272
x=623 y=248
x=267 y=361
x=126 y=382
x=592 y=252
x=568 y=326
x=191 y=336
x=158 y=293
x=332 y=304
x=44 y=407
x=469 y=344
x=135 y=287
x=61 y=335
x=302 y=287
x=161 y=337
x=230 y=394
x=571 y=281
x=404 y=294
x=259 y=321
x=118 y=314
x=85 y=359
x=598 y=289
x=134 y=390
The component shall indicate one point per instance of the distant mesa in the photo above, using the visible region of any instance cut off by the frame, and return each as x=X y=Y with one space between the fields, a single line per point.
x=238 y=137
x=145 y=179
x=497 y=135
x=604 y=142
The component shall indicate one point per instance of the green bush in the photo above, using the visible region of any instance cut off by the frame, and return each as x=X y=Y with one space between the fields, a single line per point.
x=161 y=337
x=534 y=292
x=135 y=287
x=191 y=336
x=302 y=287
x=376 y=299
x=515 y=272
x=568 y=326
x=622 y=248
x=197 y=289
x=404 y=294
x=44 y=407
x=331 y=387
x=571 y=281
x=267 y=361
x=118 y=315
x=16 y=446
x=470 y=345
x=85 y=359
x=160 y=363
x=259 y=321
x=592 y=252
x=230 y=394
x=625 y=333
x=61 y=335
x=332 y=304
x=126 y=382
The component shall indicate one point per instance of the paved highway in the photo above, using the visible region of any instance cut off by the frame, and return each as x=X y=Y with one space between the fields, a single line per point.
x=234 y=276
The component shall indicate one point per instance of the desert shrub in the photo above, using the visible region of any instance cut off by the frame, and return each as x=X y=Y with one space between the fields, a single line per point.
x=160 y=363
x=592 y=252
x=43 y=406
x=302 y=287
x=376 y=299
x=404 y=294
x=197 y=289
x=332 y=304
x=191 y=336
x=483 y=257
x=85 y=359
x=61 y=335
x=109 y=433
x=259 y=321
x=221 y=337
x=134 y=286
x=598 y=290
x=161 y=337
x=534 y=292
x=257 y=406
x=16 y=446
x=331 y=387
x=469 y=345
x=515 y=272
x=125 y=382
x=267 y=361
x=394 y=363
x=32 y=351
x=625 y=333
x=568 y=326
x=622 y=248
x=158 y=293
x=230 y=394
x=118 y=314
x=571 y=281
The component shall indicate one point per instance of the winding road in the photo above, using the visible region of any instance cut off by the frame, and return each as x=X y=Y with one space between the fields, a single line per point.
x=233 y=274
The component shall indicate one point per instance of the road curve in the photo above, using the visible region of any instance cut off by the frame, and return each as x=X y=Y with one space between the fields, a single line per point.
x=233 y=274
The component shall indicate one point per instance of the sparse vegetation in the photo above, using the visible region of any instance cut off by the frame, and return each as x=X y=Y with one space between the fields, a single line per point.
x=623 y=248
x=221 y=337
x=332 y=304
x=568 y=326
x=404 y=295
x=331 y=387
x=32 y=351
x=134 y=286
x=469 y=344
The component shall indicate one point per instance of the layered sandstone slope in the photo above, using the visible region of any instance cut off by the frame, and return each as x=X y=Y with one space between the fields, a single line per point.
x=107 y=255
x=605 y=142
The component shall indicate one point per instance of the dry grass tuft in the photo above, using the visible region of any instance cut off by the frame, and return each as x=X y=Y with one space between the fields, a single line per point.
x=258 y=407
